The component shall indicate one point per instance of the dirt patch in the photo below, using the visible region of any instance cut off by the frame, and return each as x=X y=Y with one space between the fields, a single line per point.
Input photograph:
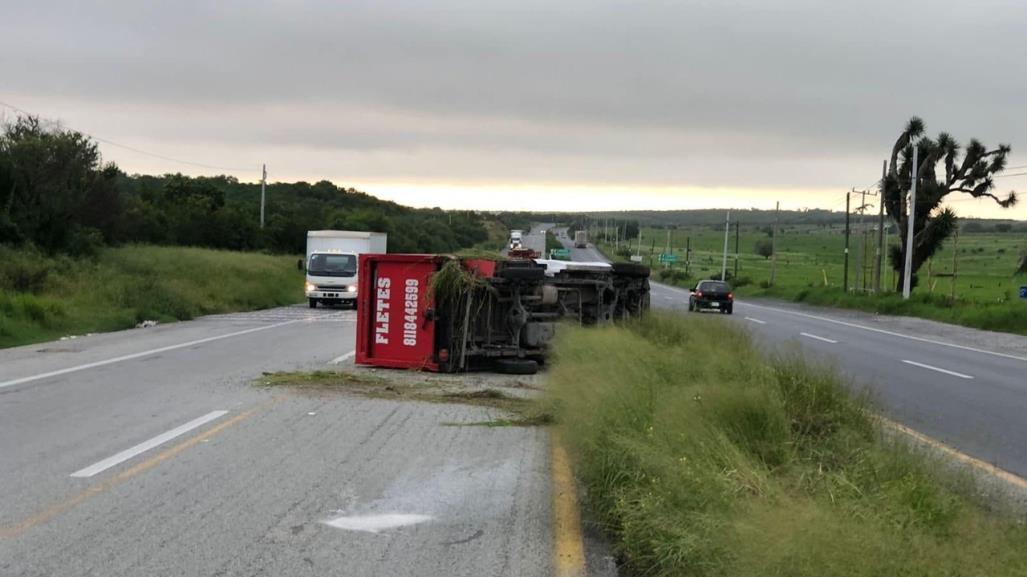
x=515 y=395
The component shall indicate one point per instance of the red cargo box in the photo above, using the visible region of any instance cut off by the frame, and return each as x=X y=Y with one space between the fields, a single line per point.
x=392 y=296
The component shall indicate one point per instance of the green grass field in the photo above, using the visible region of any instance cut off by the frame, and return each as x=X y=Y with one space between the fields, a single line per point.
x=43 y=297
x=702 y=457
x=810 y=269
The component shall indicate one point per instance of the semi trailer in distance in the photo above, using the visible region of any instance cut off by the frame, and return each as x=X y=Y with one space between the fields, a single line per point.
x=581 y=239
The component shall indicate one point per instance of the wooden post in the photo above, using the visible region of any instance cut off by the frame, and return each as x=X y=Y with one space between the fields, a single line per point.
x=688 y=253
x=955 y=263
x=738 y=231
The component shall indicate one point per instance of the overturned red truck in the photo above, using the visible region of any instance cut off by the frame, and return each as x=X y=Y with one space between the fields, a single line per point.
x=447 y=314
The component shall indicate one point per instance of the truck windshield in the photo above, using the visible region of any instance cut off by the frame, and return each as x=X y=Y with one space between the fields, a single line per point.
x=332 y=265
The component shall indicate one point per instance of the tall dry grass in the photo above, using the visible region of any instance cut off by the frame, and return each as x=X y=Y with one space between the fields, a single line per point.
x=702 y=457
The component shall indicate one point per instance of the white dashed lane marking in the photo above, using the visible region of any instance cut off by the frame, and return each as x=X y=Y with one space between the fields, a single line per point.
x=937 y=369
x=818 y=338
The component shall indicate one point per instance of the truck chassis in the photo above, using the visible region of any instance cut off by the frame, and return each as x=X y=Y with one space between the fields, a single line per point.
x=504 y=317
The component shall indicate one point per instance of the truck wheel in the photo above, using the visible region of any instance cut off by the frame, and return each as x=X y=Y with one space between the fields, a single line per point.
x=312 y=303
x=631 y=269
x=517 y=366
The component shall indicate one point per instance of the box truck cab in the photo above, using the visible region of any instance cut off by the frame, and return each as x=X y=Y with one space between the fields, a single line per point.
x=331 y=263
x=516 y=237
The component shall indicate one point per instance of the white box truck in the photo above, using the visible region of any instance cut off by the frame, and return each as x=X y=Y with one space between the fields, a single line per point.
x=332 y=263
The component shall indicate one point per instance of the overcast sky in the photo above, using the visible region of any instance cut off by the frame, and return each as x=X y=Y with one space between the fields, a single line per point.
x=525 y=104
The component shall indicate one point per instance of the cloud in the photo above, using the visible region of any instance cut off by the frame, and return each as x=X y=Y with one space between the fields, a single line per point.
x=752 y=94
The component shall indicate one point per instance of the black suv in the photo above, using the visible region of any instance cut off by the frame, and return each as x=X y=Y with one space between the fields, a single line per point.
x=712 y=294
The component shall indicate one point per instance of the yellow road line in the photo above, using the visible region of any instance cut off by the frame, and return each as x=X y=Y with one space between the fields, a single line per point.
x=950 y=451
x=62 y=506
x=568 y=544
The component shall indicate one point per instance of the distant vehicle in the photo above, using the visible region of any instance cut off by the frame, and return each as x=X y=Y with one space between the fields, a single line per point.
x=522 y=253
x=516 y=238
x=332 y=263
x=712 y=294
x=580 y=239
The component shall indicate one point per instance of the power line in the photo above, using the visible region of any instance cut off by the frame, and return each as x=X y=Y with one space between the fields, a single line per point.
x=140 y=151
x=1014 y=174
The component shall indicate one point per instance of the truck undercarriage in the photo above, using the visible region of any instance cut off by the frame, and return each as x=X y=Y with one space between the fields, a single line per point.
x=481 y=314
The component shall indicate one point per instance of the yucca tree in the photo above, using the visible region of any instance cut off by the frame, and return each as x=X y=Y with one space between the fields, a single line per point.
x=970 y=171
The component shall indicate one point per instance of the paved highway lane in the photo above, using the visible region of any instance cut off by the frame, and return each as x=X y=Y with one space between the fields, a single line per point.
x=958 y=385
x=534 y=239
x=150 y=452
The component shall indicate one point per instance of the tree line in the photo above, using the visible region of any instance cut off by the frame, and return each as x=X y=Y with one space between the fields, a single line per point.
x=57 y=194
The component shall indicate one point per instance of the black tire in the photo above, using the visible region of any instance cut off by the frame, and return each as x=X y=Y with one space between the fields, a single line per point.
x=312 y=303
x=522 y=273
x=631 y=269
x=517 y=366
x=729 y=310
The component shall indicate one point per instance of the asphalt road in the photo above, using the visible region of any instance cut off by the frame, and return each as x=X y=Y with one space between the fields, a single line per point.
x=151 y=452
x=534 y=239
x=961 y=386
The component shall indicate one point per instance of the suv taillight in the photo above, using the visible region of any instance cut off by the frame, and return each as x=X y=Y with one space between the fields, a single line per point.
x=730 y=296
x=698 y=294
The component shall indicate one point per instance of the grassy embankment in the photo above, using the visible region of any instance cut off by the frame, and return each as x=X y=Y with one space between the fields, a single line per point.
x=44 y=297
x=701 y=457
x=810 y=269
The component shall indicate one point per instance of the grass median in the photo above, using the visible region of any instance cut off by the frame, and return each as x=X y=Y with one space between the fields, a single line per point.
x=701 y=456
x=43 y=297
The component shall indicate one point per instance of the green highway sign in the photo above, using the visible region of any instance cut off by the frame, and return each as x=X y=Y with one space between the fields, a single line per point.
x=668 y=258
x=560 y=253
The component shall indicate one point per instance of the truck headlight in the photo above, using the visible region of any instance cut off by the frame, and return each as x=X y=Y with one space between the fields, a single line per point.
x=351 y=288
x=309 y=287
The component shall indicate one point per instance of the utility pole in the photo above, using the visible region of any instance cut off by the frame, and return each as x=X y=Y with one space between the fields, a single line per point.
x=727 y=231
x=688 y=254
x=907 y=272
x=880 y=230
x=861 y=255
x=639 y=251
x=773 y=244
x=845 y=275
x=666 y=263
x=738 y=231
x=263 y=186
